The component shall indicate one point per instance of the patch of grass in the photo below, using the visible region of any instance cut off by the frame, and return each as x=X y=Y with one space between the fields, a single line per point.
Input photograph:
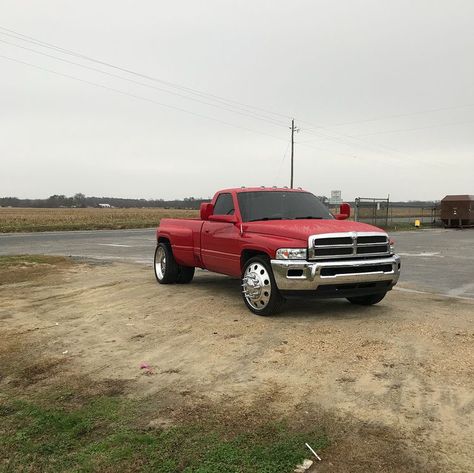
x=52 y=421
x=41 y=220
x=28 y=260
x=103 y=434
x=403 y=226
x=21 y=268
x=397 y=227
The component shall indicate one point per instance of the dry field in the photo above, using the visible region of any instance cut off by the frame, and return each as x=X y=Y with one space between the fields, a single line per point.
x=40 y=220
x=413 y=212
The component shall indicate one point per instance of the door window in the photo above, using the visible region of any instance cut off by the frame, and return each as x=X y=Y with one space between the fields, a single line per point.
x=224 y=205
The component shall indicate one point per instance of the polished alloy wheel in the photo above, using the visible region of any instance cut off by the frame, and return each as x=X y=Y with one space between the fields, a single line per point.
x=256 y=286
x=160 y=262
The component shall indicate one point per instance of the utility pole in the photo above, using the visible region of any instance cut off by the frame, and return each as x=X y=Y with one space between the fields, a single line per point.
x=293 y=130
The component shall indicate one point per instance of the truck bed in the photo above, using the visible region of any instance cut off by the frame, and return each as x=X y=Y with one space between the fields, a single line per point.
x=185 y=235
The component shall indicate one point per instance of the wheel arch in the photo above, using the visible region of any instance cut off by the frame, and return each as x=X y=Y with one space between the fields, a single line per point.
x=249 y=253
x=164 y=239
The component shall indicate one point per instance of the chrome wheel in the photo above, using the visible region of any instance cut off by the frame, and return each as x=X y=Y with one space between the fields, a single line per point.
x=160 y=263
x=256 y=286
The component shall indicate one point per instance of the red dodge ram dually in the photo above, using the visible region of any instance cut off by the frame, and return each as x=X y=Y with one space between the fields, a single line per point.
x=281 y=243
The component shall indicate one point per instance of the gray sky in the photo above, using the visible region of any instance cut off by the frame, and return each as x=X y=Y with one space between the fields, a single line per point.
x=383 y=92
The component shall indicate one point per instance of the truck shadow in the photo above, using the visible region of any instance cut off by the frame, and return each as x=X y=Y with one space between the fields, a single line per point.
x=332 y=308
x=229 y=288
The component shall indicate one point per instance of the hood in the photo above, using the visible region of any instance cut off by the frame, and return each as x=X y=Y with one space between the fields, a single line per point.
x=302 y=229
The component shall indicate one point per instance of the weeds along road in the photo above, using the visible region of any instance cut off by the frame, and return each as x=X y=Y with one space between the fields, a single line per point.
x=438 y=261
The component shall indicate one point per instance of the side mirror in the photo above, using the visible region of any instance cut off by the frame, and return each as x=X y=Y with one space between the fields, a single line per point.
x=223 y=218
x=344 y=211
x=206 y=210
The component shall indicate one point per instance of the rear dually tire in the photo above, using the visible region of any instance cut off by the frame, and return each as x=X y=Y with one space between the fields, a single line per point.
x=165 y=267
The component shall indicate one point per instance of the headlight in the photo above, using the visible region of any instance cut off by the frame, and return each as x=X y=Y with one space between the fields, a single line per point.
x=392 y=246
x=291 y=253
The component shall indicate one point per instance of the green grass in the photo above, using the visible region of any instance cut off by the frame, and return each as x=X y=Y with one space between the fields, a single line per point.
x=104 y=434
x=15 y=269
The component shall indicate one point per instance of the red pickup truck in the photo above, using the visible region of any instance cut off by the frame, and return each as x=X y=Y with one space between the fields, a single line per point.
x=281 y=243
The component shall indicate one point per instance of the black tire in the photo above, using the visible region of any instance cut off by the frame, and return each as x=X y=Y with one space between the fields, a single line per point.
x=271 y=299
x=370 y=299
x=185 y=275
x=166 y=273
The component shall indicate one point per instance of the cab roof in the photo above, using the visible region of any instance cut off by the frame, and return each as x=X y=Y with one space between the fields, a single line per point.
x=238 y=190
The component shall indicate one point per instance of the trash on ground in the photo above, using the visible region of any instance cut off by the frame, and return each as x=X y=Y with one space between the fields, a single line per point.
x=147 y=369
x=313 y=452
x=306 y=465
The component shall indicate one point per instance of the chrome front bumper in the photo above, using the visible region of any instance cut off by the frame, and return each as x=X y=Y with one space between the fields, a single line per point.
x=294 y=275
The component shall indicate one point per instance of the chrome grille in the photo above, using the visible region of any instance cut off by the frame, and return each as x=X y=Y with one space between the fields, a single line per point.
x=348 y=245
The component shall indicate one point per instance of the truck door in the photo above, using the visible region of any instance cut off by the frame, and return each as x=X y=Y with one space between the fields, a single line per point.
x=220 y=241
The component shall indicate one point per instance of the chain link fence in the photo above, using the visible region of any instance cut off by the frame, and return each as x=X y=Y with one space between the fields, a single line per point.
x=383 y=213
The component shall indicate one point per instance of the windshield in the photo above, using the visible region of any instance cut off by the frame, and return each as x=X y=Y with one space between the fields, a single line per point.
x=280 y=205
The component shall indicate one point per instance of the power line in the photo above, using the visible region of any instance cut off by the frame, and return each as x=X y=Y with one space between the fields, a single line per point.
x=402 y=130
x=57 y=48
x=162 y=104
x=251 y=115
x=399 y=115
x=281 y=162
x=44 y=44
x=221 y=100
x=139 y=97
x=343 y=139
x=30 y=39
x=224 y=103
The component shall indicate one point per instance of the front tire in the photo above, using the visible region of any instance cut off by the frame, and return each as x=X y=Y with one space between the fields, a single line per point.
x=259 y=290
x=370 y=299
x=165 y=267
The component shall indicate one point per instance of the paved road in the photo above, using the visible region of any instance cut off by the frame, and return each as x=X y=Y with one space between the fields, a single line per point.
x=135 y=246
x=439 y=261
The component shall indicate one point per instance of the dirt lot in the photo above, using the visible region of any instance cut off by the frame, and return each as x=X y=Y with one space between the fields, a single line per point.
x=392 y=384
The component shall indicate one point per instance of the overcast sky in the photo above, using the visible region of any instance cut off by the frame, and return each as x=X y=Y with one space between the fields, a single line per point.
x=382 y=91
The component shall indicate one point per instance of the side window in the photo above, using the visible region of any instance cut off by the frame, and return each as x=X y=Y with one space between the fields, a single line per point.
x=224 y=205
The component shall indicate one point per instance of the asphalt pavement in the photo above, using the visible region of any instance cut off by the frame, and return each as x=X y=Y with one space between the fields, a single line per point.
x=440 y=261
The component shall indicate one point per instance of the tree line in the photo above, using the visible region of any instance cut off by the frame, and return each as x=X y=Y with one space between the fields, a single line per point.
x=82 y=201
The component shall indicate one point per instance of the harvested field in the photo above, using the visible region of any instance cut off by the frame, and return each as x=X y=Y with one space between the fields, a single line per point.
x=40 y=220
